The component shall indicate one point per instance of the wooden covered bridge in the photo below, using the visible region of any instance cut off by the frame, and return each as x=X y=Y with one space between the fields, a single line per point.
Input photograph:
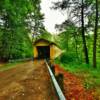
x=44 y=48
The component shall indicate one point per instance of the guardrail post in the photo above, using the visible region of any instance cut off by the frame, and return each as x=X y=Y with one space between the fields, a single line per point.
x=53 y=69
x=60 y=80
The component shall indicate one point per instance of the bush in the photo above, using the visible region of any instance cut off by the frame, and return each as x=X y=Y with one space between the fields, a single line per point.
x=68 y=58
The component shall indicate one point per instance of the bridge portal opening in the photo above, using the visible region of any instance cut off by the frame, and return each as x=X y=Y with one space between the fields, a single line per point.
x=43 y=52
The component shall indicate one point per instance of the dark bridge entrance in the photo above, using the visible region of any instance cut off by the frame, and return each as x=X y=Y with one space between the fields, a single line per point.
x=43 y=52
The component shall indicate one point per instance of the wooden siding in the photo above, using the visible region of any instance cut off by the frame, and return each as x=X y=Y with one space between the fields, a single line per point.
x=35 y=52
x=54 y=51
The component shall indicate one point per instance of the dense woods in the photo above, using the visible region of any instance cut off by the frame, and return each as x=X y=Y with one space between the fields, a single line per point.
x=83 y=22
x=22 y=23
x=18 y=20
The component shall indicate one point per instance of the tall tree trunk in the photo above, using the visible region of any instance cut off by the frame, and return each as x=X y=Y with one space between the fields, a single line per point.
x=83 y=35
x=76 y=49
x=95 y=36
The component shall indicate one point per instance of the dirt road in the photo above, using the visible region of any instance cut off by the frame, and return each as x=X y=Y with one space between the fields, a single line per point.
x=27 y=81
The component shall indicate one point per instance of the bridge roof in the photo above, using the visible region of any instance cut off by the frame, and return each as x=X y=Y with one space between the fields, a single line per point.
x=45 y=40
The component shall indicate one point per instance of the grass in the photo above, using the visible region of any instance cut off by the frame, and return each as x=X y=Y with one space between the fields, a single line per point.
x=8 y=66
x=89 y=76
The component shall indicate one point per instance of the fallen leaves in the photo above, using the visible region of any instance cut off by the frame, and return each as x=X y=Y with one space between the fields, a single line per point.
x=73 y=88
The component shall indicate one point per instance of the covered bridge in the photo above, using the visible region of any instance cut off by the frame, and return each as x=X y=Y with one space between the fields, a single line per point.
x=46 y=49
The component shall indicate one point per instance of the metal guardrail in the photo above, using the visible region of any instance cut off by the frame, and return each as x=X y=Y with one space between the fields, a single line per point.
x=19 y=60
x=55 y=83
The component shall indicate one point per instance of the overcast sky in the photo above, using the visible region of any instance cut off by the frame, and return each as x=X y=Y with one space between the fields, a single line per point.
x=52 y=17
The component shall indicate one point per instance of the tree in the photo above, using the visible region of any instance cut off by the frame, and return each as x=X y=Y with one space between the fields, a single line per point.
x=77 y=12
x=14 y=38
x=95 y=36
x=83 y=34
x=38 y=18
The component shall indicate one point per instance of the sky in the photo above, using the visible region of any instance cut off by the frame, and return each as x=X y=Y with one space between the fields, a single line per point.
x=51 y=17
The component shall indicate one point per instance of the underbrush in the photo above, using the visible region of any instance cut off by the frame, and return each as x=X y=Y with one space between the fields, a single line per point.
x=88 y=75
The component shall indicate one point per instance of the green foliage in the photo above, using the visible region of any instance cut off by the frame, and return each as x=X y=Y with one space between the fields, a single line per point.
x=68 y=58
x=76 y=10
x=89 y=76
x=46 y=35
x=15 y=42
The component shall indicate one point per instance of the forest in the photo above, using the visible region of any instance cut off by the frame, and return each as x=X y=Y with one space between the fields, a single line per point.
x=21 y=23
